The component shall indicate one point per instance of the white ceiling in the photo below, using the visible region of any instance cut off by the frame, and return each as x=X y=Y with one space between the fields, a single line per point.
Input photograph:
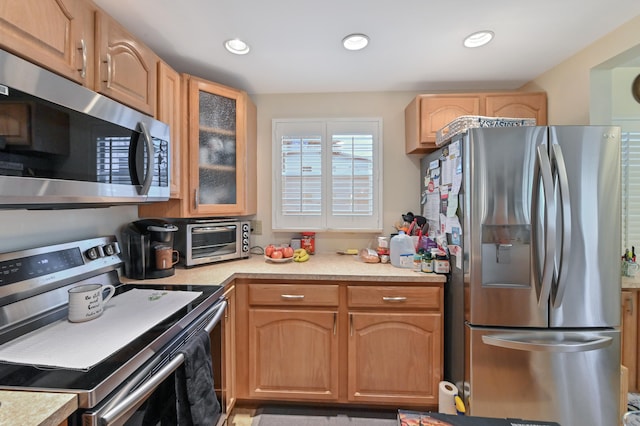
x=415 y=45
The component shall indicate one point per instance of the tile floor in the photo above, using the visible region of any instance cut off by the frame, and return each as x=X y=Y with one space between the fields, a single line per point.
x=241 y=417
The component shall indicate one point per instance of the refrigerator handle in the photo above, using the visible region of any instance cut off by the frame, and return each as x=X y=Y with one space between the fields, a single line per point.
x=544 y=165
x=565 y=207
x=529 y=343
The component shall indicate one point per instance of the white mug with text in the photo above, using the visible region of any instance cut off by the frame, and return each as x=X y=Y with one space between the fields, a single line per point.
x=86 y=301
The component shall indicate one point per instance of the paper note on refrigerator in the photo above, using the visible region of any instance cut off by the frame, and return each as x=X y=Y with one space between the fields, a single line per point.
x=432 y=206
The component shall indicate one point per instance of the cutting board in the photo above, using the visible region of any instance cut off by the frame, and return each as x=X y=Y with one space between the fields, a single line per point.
x=79 y=346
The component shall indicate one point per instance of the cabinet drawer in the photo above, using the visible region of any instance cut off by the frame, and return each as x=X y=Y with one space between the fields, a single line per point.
x=394 y=297
x=293 y=295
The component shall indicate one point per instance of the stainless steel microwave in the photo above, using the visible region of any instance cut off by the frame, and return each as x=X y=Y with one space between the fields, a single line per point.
x=63 y=145
x=202 y=241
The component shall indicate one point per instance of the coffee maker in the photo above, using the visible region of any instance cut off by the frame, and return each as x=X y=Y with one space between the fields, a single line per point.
x=148 y=249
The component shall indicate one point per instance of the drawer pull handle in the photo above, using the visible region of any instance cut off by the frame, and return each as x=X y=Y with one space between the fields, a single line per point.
x=292 y=296
x=395 y=299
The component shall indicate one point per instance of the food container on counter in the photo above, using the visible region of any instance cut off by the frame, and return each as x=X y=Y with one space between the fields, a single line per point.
x=441 y=265
x=308 y=242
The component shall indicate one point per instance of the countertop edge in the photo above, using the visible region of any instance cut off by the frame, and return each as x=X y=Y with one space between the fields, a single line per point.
x=36 y=408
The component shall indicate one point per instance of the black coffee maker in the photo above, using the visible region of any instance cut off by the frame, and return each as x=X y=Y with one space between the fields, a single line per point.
x=148 y=249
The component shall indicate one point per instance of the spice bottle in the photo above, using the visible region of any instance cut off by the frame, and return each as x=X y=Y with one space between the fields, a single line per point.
x=427 y=263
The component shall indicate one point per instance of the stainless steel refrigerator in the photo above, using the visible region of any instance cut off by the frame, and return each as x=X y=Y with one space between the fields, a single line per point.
x=532 y=306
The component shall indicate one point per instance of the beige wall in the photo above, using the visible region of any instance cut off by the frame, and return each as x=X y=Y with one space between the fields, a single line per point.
x=20 y=229
x=401 y=183
x=568 y=85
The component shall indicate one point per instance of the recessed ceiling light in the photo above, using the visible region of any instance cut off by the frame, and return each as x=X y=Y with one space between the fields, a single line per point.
x=237 y=46
x=355 y=41
x=479 y=38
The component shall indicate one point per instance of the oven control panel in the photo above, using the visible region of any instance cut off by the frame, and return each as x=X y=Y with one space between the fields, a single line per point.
x=57 y=262
x=12 y=271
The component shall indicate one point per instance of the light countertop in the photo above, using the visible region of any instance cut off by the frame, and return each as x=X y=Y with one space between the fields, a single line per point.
x=41 y=408
x=318 y=267
x=35 y=408
x=629 y=283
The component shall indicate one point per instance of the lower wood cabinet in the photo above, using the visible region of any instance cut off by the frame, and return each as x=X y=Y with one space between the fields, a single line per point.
x=629 y=332
x=340 y=342
x=296 y=354
x=395 y=344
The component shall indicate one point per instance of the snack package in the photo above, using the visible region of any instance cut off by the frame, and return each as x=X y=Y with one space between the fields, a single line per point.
x=368 y=255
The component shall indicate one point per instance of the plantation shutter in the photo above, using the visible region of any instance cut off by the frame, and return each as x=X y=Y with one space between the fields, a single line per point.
x=327 y=174
x=630 y=189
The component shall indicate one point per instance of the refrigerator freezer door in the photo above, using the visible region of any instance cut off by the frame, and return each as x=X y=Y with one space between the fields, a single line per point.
x=569 y=377
x=499 y=173
x=586 y=290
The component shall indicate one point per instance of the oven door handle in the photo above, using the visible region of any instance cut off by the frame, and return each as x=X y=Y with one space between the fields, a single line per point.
x=124 y=401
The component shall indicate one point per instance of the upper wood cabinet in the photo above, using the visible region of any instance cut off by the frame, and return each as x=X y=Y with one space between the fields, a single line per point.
x=218 y=153
x=126 y=69
x=426 y=114
x=519 y=105
x=169 y=110
x=55 y=34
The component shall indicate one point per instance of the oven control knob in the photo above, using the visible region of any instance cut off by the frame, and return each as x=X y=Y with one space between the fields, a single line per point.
x=93 y=253
x=108 y=250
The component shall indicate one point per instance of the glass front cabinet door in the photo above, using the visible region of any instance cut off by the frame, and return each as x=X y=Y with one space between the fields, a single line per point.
x=222 y=156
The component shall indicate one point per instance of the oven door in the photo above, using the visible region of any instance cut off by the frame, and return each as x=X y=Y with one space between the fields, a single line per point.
x=142 y=397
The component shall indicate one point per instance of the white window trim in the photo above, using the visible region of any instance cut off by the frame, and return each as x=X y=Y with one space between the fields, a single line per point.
x=326 y=222
x=630 y=182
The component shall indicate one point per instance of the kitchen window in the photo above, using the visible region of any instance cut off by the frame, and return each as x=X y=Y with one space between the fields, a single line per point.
x=327 y=174
x=630 y=189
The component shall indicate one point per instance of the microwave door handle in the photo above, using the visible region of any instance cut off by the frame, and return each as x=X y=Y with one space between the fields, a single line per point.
x=549 y=224
x=146 y=184
x=565 y=207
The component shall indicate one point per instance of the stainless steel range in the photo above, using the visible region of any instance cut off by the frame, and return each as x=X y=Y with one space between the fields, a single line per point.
x=119 y=387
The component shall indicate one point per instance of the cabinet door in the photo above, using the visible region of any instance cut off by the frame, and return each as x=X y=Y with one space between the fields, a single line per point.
x=168 y=111
x=518 y=105
x=438 y=111
x=427 y=114
x=629 y=333
x=222 y=157
x=293 y=354
x=56 y=34
x=126 y=69
x=394 y=358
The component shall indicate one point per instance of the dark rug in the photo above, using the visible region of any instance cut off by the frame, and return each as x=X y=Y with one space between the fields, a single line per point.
x=305 y=416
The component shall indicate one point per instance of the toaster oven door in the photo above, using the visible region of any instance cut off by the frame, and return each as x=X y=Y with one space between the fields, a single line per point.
x=211 y=243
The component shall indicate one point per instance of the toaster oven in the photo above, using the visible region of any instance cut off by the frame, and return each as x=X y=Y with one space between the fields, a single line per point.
x=202 y=241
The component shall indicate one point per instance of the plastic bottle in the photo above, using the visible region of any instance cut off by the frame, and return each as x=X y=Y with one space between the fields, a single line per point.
x=402 y=250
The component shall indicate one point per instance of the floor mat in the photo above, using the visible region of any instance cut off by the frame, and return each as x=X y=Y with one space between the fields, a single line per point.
x=304 y=416
x=633 y=404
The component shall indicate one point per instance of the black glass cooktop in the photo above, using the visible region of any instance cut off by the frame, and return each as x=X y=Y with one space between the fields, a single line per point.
x=103 y=378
